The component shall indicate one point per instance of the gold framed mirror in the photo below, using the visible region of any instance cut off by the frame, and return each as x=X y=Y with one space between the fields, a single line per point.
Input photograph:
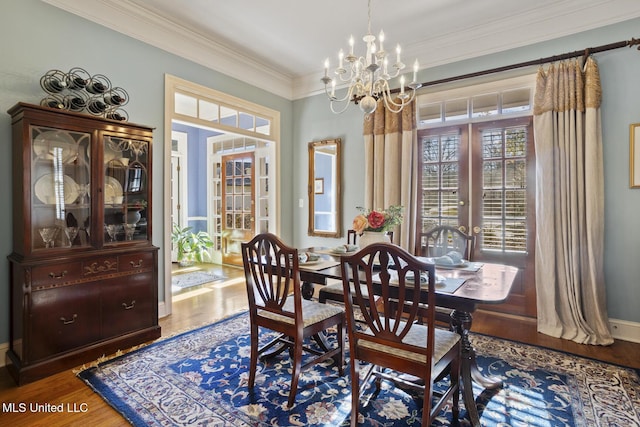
x=325 y=201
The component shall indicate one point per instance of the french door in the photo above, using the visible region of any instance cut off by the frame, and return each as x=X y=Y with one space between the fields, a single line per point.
x=238 y=207
x=480 y=177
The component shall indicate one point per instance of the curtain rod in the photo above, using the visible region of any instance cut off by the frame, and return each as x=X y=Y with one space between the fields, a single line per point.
x=585 y=52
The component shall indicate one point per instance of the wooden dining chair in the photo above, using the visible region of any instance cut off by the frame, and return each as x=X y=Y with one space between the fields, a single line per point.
x=276 y=303
x=440 y=241
x=392 y=342
x=332 y=291
x=443 y=239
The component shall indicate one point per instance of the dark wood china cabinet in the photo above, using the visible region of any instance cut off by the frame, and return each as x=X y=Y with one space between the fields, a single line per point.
x=83 y=271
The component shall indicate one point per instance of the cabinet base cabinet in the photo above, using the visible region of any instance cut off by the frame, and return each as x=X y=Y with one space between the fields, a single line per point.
x=23 y=374
x=83 y=274
x=68 y=312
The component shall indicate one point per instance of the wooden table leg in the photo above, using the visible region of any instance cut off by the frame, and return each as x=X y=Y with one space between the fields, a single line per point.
x=307 y=290
x=461 y=323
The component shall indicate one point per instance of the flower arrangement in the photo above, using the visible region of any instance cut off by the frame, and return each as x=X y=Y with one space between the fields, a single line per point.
x=377 y=220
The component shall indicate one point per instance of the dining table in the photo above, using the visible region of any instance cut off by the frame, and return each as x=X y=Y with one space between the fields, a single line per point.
x=466 y=286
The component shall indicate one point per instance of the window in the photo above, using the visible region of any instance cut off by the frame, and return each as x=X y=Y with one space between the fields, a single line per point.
x=233 y=118
x=476 y=173
x=468 y=130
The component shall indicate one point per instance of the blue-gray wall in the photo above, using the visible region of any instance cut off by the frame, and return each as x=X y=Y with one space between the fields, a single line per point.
x=619 y=72
x=36 y=37
x=196 y=170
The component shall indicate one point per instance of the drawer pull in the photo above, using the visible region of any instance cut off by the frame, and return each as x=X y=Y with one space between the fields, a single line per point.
x=130 y=306
x=136 y=265
x=70 y=321
x=58 y=276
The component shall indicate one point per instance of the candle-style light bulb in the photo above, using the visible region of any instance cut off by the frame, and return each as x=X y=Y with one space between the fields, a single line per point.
x=341 y=57
x=398 y=50
x=416 y=66
x=326 y=67
x=333 y=88
x=351 y=43
x=401 y=84
x=381 y=37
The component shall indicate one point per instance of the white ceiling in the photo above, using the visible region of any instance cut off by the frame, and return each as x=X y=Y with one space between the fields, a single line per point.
x=281 y=44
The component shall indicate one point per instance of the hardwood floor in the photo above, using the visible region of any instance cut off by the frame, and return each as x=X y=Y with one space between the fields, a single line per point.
x=80 y=406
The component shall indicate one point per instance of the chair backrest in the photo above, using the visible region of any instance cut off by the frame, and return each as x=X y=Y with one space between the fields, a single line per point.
x=443 y=239
x=272 y=274
x=388 y=271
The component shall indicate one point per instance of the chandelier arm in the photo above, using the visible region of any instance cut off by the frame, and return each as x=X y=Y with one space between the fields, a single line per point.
x=395 y=107
x=333 y=98
x=334 y=111
x=392 y=106
x=389 y=101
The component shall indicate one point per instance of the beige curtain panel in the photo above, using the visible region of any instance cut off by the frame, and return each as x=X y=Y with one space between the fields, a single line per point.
x=390 y=146
x=570 y=284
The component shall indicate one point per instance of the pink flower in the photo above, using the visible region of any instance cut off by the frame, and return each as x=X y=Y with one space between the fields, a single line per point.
x=360 y=223
x=376 y=219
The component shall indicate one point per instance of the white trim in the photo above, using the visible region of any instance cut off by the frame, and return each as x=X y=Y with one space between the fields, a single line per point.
x=4 y=347
x=476 y=86
x=625 y=330
x=173 y=84
x=162 y=310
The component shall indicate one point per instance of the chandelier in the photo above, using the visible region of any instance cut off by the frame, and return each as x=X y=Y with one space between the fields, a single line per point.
x=368 y=77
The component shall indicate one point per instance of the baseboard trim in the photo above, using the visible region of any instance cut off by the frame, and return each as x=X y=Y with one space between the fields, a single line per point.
x=4 y=347
x=162 y=310
x=625 y=330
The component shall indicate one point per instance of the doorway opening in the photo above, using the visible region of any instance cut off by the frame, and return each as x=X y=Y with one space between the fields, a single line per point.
x=221 y=178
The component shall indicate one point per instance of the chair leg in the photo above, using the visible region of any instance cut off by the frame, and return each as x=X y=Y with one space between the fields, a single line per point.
x=455 y=379
x=339 y=358
x=253 y=364
x=296 y=360
x=355 y=392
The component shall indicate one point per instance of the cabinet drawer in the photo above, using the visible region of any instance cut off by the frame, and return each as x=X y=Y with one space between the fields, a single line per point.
x=136 y=262
x=128 y=304
x=55 y=274
x=63 y=319
x=95 y=267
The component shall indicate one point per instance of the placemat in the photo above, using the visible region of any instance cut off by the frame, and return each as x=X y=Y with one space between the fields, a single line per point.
x=470 y=266
x=447 y=286
x=320 y=265
x=330 y=252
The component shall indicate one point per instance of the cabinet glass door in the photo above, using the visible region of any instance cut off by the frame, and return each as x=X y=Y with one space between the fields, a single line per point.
x=61 y=179
x=126 y=191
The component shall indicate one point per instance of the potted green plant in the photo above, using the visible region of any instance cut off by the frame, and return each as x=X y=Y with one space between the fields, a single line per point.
x=192 y=247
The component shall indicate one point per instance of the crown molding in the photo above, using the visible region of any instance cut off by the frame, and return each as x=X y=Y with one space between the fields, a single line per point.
x=130 y=19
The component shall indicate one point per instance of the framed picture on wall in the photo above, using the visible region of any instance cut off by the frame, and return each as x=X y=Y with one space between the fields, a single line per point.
x=319 y=186
x=634 y=156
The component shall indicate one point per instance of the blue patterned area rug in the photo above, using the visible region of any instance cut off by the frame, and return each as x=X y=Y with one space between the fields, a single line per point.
x=200 y=378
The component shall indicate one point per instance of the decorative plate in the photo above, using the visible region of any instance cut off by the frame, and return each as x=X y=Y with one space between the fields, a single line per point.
x=47 y=188
x=112 y=190
x=47 y=144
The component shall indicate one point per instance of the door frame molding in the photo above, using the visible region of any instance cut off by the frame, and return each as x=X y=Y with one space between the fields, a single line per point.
x=172 y=86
